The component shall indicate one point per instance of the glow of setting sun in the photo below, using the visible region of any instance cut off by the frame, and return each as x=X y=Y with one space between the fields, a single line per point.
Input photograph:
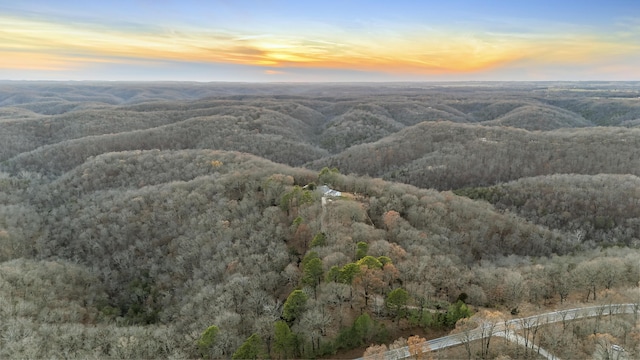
x=54 y=46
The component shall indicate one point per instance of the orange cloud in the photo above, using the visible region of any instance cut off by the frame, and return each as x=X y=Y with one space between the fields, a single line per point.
x=31 y=61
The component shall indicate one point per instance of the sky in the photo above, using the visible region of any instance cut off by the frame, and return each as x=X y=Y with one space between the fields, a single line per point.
x=320 y=41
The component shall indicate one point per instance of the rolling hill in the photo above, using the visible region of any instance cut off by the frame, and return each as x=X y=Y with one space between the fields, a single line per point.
x=446 y=156
x=537 y=117
x=597 y=208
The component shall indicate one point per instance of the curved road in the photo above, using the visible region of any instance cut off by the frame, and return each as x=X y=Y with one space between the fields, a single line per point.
x=504 y=328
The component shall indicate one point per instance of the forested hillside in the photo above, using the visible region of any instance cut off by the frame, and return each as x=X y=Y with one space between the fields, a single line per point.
x=187 y=220
x=597 y=208
x=445 y=155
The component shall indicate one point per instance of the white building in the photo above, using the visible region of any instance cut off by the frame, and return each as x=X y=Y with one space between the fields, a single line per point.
x=327 y=191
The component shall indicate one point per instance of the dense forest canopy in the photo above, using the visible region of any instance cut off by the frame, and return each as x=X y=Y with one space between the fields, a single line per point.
x=155 y=220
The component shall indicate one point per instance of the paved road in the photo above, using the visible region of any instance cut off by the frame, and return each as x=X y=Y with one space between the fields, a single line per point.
x=510 y=336
x=505 y=328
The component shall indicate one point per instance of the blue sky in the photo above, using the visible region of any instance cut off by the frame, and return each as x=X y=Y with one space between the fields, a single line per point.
x=347 y=40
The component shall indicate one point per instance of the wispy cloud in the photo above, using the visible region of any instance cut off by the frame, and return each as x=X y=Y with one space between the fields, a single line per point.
x=252 y=37
x=39 y=44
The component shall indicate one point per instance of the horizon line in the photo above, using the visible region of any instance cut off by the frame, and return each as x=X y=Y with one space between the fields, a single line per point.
x=317 y=82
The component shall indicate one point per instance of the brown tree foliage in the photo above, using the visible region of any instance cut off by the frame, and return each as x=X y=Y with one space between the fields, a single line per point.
x=390 y=219
x=418 y=348
x=375 y=352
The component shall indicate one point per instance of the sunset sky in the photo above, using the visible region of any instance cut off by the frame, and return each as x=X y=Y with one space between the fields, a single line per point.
x=329 y=40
